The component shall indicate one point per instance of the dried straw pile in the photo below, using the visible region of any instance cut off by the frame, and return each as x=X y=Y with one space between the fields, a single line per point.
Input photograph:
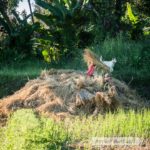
x=59 y=93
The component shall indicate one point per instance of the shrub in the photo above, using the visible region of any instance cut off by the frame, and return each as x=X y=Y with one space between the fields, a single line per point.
x=26 y=131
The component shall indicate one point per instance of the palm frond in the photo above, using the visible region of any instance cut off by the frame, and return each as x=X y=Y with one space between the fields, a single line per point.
x=75 y=6
x=44 y=18
x=26 y=18
x=16 y=16
x=53 y=9
x=61 y=6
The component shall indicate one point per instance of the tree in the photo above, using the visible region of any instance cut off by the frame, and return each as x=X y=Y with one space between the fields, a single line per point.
x=19 y=31
x=65 y=23
x=4 y=16
x=6 y=6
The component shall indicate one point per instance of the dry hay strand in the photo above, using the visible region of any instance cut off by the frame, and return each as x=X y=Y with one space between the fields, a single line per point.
x=68 y=92
x=106 y=101
x=126 y=96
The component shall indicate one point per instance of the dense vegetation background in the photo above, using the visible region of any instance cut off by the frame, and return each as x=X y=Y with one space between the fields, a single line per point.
x=55 y=34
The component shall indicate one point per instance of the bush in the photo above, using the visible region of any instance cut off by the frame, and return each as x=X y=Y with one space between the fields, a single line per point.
x=26 y=131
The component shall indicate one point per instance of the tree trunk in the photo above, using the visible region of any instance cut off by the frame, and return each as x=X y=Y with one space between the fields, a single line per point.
x=31 y=11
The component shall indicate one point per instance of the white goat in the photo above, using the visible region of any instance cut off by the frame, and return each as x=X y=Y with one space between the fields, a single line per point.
x=110 y=64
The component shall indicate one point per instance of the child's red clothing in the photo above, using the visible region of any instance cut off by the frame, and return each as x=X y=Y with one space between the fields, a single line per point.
x=90 y=71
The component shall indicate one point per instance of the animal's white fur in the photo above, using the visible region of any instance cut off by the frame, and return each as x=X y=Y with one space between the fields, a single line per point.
x=110 y=64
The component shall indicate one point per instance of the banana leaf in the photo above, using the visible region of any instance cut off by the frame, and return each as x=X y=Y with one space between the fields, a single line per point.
x=53 y=9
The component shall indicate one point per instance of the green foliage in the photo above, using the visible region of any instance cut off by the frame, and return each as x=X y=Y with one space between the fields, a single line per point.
x=143 y=7
x=129 y=13
x=51 y=54
x=3 y=23
x=66 y=26
x=134 y=23
x=132 y=56
x=106 y=17
x=119 y=124
x=113 y=16
x=8 y=4
x=45 y=47
x=17 y=43
x=69 y=25
x=14 y=75
x=25 y=130
x=13 y=3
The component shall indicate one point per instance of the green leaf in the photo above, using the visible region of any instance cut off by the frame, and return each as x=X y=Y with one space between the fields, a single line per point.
x=76 y=6
x=45 y=53
x=16 y=16
x=60 y=5
x=46 y=19
x=130 y=14
x=5 y=25
x=53 y=9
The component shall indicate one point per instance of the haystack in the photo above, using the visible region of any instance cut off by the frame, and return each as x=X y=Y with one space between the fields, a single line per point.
x=61 y=93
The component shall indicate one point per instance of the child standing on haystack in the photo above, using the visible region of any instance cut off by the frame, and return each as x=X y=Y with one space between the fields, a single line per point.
x=91 y=69
x=93 y=62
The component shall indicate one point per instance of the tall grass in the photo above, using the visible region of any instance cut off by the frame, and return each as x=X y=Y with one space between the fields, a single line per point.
x=15 y=74
x=121 y=124
x=31 y=67
x=132 y=56
x=26 y=130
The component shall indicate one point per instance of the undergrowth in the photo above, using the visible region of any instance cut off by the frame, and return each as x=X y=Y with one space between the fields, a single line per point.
x=133 y=57
x=26 y=130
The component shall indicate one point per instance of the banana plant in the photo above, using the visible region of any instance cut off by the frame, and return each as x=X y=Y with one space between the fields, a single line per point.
x=60 y=9
x=64 y=20
x=19 y=37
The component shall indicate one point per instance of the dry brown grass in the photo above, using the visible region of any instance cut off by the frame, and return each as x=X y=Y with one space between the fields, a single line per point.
x=61 y=93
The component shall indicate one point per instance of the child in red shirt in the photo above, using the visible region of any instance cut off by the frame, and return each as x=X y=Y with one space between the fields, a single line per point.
x=91 y=69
